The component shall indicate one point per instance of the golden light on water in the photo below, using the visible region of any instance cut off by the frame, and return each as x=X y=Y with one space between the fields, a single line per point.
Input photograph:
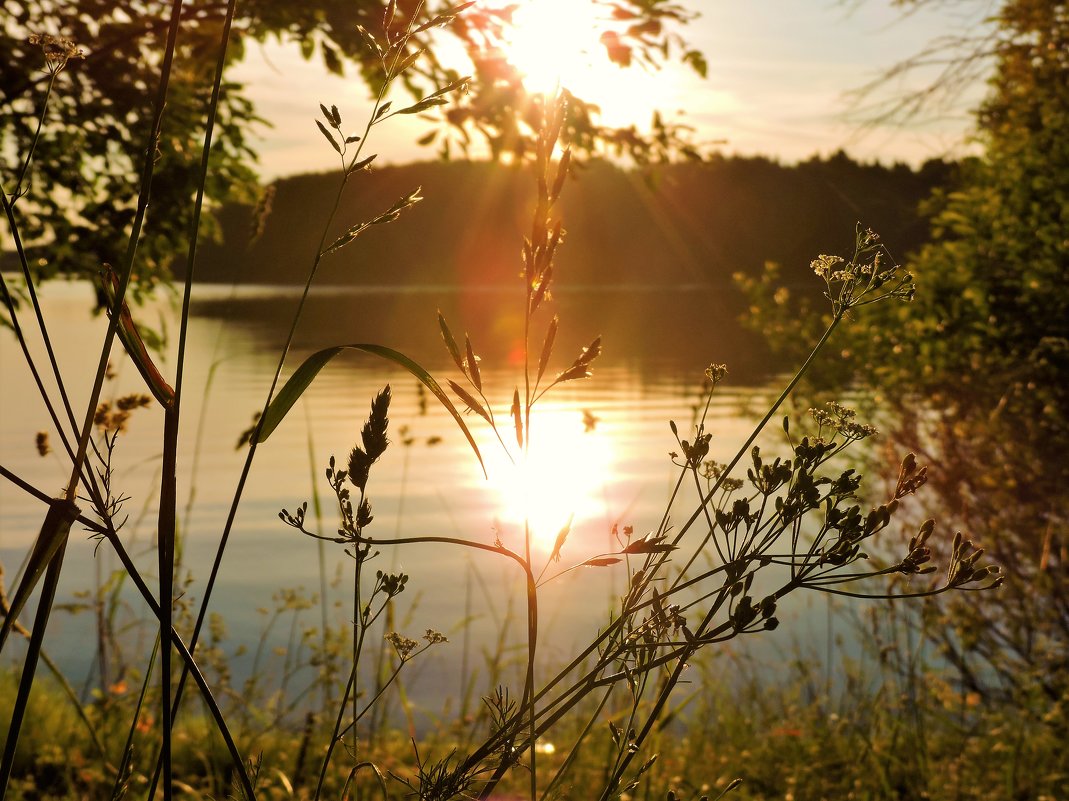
x=564 y=476
x=558 y=42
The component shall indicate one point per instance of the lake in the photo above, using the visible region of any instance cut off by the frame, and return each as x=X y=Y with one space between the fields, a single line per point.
x=599 y=454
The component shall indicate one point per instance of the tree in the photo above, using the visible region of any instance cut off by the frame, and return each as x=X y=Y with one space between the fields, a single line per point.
x=992 y=340
x=974 y=371
x=88 y=149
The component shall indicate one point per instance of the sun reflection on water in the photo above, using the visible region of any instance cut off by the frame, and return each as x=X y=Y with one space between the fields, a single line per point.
x=564 y=476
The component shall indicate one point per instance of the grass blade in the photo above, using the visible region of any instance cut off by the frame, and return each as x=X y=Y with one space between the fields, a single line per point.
x=193 y=668
x=33 y=652
x=121 y=777
x=304 y=375
x=54 y=531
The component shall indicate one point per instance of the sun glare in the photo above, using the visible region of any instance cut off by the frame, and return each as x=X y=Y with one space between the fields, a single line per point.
x=557 y=42
x=563 y=477
x=553 y=41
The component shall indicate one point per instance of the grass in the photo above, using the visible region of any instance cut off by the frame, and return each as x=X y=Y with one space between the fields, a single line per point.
x=754 y=531
x=783 y=737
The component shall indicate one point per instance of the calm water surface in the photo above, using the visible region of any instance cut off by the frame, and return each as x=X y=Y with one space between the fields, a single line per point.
x=600 y=454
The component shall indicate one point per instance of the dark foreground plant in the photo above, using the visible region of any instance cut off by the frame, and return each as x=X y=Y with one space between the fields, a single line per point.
x=790 y=524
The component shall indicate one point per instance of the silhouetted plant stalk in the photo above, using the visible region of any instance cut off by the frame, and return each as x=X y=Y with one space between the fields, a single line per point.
x=49 y=548
x=394 y=60
x=748 y=521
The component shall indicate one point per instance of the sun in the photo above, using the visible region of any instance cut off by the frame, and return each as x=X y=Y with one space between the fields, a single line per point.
x=555 y=43
x=562 y=478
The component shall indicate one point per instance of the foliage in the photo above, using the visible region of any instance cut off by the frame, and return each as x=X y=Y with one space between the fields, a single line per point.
x=80 y=211
x=975 y=374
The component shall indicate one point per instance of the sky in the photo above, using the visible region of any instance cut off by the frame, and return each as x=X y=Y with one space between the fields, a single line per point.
x=779 y=83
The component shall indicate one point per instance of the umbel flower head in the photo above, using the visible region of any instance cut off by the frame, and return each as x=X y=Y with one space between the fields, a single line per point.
x=373 y=437
x=58 y=50
x=869 y=277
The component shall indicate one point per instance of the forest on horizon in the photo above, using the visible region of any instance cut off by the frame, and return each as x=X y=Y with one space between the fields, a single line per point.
x=686 y=223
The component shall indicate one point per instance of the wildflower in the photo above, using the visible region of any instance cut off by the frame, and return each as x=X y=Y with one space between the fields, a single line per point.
x=841 y=419
x=58 y=50
x=114 y=417
x=823 y=265
x=716 y=372
x=434 y=637
x=404 y=646
x=128 y=403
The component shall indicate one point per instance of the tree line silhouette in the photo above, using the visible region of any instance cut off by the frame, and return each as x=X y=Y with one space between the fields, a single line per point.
x=689 y=223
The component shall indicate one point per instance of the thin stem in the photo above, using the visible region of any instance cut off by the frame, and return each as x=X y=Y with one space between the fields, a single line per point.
x=147 y=172
x=33 y=652
x=761 y=425
x=33 y=370
x=128 y=746
x=574 y=752
x=187 y=657
x=251 y=455
x=336 y=735
x=42 y=496
x=31 y=291
x=167 y=529
x=36 y=136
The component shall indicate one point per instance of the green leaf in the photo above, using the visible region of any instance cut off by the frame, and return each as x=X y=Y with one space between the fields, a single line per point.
x=408 y=61
x=363 y=164
x=387 y=216
x=332 y=61
x=649 y=545
x=445 y=18
x=547 y=347
x=697 y=62
x=604 y=561
x=562 y=537
x=452 y=86
x=423 y=105
x=472 y=362
x=326 y=133
x=470 y=400
x=562 y=174
x=304 y=375
x=365 y=34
